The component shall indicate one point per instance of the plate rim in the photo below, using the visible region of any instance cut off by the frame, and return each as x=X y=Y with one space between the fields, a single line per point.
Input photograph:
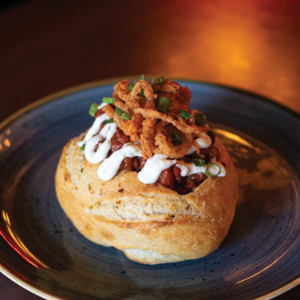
x=98 y=83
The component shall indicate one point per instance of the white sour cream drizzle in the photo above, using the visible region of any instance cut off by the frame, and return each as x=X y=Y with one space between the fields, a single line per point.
x=189 y=169
x=204 y=141
x=154 y=165
x=153 y=168
x=110 y=166
x=94 y=129
x=106 y=134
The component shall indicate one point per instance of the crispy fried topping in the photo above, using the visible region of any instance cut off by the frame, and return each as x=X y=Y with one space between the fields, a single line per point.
x=147 y=137
x=147 y=124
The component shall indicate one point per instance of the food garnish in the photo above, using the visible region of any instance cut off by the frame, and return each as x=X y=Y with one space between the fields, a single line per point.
x=123 y=114
x=163 y=104
x=109 y=100
x=212 y=170
x=93 y=110
x=177 y=138
x=198 y=162
x=200 y=119
x=144 y=120
x=184 y=114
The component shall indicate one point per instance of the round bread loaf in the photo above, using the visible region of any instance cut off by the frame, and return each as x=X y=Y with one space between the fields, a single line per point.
x=151 y=224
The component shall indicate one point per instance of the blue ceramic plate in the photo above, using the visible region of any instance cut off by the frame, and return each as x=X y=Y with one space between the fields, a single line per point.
x=41 y=250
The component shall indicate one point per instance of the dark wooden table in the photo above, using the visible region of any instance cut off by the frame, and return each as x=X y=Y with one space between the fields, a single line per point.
x=49 y=45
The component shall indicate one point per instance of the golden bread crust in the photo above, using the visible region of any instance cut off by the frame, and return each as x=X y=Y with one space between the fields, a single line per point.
x=151 y=224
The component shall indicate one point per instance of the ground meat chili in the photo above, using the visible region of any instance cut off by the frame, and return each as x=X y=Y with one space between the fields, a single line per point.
x=211 y=153
x=142 y=162
x=135 y=164
x=138 y=163
x=169 y=178
x=172 y=179
x=177 y=175
x=126 y=164
x=118 y=140
x=208 y=154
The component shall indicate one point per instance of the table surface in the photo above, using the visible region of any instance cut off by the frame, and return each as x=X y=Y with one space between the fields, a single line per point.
x=49 y=45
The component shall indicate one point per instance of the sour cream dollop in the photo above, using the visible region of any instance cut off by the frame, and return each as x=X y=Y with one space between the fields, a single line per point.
x=106 y=134
x=94 y=129
x=153 y=168
x=204 y=141
x=110 y=166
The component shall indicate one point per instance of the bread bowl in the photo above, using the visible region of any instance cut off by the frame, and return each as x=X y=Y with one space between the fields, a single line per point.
x=133 y=205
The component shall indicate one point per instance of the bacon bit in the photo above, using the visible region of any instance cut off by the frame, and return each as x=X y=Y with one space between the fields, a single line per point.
x=118 y=140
